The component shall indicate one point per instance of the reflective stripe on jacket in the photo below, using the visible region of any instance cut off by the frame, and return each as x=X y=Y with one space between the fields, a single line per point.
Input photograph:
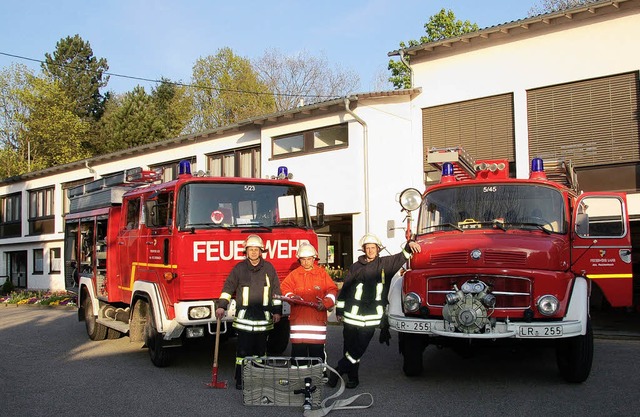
x=254 y=287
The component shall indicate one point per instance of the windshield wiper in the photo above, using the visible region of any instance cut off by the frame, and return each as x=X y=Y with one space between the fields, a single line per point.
x=451 y=225
x=194 y=226
x=536 y=225
x=288 y=224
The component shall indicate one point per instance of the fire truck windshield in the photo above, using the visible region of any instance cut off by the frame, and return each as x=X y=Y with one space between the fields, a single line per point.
x=493 y=206
x=230 y=205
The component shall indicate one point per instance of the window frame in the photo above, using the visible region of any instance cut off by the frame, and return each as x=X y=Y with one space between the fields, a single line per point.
x=55 y=253
x=239 y=168
x=308 y=141
x=41 y=210
x=38 y=269
x=11 y=227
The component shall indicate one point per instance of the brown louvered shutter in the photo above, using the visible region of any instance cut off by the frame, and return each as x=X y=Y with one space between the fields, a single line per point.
x=484 y=127
x=592 y=122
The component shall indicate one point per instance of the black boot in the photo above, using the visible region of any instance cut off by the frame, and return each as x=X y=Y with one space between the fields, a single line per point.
x=333 y=379
x=341 y=369
x=238 y=376
x=353 y=376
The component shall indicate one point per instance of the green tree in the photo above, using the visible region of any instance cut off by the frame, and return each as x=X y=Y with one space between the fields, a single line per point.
x=548 y=6
x=442 y=25
x=303 y=78
x=51 y=129
x=130 y=120
x=13 y=111
x=80 y=75
x=227 y=89
x=173 y=106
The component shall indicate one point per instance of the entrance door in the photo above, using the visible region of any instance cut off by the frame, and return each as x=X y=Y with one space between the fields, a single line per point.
x=18 y=268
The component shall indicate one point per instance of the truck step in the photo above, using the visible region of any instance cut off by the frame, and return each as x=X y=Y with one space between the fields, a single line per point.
x=114 y=324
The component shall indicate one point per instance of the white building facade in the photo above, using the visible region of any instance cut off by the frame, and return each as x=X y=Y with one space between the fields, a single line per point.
x=561 y=85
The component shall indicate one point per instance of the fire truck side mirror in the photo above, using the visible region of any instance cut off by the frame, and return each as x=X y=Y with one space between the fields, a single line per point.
x=319 y=214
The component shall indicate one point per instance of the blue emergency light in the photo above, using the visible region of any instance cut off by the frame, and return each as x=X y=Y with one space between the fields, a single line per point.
x=184 y=167
x=537 y=165
x=447 y=169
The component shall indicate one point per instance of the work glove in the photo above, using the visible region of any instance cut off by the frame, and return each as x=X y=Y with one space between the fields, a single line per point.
x=320 y=306
x=385 y=334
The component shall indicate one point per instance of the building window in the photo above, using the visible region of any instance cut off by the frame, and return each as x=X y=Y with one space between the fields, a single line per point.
x=55 y=261
x=10 y=221
x=591 y=123
x=482 y=126
x=170 y=170
x=317 y=140
x=243 y=163
x=38 y=261
x=41 y=219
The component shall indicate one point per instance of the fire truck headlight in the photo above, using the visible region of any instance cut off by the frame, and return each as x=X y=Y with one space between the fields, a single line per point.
x=548 y=305
x=199 y=313
x=411 y=302
x=410 y=199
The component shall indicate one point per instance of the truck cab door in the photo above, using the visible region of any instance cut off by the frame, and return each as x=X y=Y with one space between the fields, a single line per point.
x=128 y=239
x=601 y=244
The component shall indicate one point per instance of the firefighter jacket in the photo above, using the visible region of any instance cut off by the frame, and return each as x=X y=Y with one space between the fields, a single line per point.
x=363 y=296
x=308 y=325
x=254 y=288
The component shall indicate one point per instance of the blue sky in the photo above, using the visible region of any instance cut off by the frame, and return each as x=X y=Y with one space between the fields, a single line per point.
x=154 y=38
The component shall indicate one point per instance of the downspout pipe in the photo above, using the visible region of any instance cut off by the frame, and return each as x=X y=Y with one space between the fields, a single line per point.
x=403 y=59
x=365 y=150
x=91 y=170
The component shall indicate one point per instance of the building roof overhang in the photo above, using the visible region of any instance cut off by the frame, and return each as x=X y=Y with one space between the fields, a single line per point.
x=299 y=113
x=488 y=36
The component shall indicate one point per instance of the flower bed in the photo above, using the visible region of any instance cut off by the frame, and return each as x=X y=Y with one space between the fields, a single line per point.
x=45 y=298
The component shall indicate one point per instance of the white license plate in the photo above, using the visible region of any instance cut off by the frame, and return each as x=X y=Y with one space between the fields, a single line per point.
x=540 y=331
x=413 y=326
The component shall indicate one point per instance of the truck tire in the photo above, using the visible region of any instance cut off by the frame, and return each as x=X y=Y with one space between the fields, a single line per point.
x=411 y=347
x=278 y=338
x=575 y=356
x=95 y=330
x=160 y=355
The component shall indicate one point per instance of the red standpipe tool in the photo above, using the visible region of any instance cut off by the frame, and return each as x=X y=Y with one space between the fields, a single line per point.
x=214 y=372
x=295 y=301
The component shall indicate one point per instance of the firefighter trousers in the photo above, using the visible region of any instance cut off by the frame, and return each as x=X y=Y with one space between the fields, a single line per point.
x=356 y=340
x=248 y=344
x=308 y=350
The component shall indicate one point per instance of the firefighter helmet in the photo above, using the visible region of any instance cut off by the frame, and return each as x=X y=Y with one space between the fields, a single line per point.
x=371 y=238
x=306 y=250
x=253 y=240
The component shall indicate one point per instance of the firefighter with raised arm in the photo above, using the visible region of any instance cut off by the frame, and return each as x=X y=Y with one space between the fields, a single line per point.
x=311 y=283
x=362 y=300
x=254 y=282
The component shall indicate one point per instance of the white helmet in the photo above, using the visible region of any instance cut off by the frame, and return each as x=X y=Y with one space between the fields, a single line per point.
x=306 y=250
x=253 y=240
x=371 y=238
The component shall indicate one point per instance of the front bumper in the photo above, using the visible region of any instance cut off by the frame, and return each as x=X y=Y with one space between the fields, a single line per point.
x=501 y=329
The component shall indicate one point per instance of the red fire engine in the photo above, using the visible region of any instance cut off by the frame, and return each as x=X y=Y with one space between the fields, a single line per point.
x=150 y=259
x=509 y=259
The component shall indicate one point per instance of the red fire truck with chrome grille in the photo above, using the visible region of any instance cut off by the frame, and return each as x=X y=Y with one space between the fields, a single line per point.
x=506 y=259
x=149 y=259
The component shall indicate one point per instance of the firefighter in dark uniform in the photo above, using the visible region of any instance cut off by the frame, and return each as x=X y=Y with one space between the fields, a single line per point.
x=254 y=282
x=361 y=303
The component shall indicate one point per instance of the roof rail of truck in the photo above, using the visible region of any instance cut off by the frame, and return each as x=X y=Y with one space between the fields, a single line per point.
x=562 y=172
x=463 y=163
x=129 y=177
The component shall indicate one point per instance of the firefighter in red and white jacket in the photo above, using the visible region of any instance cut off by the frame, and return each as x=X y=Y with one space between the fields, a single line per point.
x=254 y=282
x=309 y=282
